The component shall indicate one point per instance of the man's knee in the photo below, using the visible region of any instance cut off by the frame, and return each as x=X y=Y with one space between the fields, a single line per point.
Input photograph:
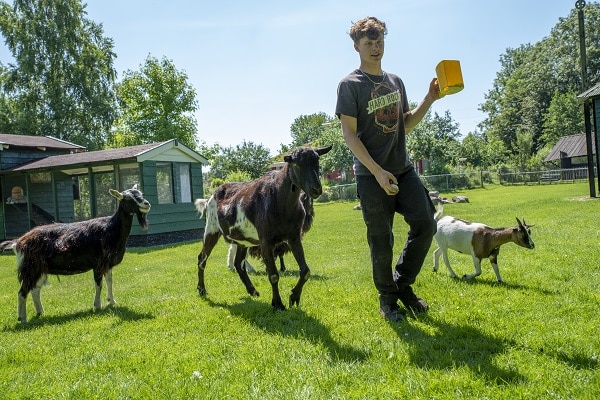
x=423 y=228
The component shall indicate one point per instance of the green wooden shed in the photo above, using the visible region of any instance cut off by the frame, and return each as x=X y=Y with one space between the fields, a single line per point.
x=44 y=180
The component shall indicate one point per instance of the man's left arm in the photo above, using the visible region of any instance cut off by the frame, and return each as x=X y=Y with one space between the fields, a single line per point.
x=414 y=116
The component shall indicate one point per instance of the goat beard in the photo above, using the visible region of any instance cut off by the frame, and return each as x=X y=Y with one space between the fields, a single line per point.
x=142 y=220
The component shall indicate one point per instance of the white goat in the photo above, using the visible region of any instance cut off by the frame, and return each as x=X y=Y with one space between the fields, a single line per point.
x=478 y=240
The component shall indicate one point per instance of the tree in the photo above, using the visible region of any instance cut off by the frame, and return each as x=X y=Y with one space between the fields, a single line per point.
x=562 y=118
x=247 y=157
x=307 y=128
x=481 y=152
x=157 y=104
x=435 y=139
x=340 y=156
x=533 y=91
x=61 y=81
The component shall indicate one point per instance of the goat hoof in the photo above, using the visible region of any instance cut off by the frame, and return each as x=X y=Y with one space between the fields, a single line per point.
x=294 y=300
x=254 y=293
x=278 y=306
x=202 y=292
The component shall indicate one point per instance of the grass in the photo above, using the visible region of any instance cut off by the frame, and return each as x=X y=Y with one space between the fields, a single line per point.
x=536 y=336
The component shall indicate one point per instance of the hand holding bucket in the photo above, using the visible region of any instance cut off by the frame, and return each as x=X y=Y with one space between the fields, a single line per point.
x=449 y=77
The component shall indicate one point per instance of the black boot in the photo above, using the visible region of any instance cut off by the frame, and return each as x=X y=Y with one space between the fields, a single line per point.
x=411 y=301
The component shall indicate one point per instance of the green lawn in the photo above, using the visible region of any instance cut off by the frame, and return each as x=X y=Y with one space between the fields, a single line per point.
x=536 y=336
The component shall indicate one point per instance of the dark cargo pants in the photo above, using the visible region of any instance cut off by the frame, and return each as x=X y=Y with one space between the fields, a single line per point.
x=413 y=203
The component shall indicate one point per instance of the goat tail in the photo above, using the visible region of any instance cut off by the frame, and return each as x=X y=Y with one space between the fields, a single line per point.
x=201 y=205
x=440 y=211
x=8 y=244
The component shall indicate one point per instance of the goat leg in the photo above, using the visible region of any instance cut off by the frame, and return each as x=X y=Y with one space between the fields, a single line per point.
x=436 y=258
x=22 y=306
x=97 y=300
x=240 y=266
x=201 y=267
x=281 y=264
x=210 y=241
x=269 y=261
x=494 y=262
x=298 y=252
x=36 y=294
x=477 y=263
x=231 y=259
x=109 y=287
x=297 y=290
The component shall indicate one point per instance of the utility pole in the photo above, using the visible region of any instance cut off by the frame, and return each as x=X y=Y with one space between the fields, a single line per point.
x=580 y=4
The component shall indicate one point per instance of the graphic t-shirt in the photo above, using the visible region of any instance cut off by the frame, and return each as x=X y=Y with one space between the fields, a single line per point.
x=378 y=103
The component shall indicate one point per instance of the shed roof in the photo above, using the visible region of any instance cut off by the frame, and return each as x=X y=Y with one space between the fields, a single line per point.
x=140 y=153
x=570 y=146
x=590 y=93
x=44 y=142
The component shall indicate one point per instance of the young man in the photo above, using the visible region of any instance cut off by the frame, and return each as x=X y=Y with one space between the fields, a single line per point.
x=373 y=109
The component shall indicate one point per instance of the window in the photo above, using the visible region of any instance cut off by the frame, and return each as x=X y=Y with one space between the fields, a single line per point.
x=183 y=187
x=81 y=198
x=129 y=175
x=105 y=202
x=174 y=182
x=164 y=182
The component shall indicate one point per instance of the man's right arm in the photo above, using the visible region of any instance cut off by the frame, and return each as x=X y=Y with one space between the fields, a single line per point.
x=349 y=128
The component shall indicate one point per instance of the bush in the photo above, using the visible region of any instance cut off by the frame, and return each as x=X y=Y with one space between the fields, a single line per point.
x=339 y=192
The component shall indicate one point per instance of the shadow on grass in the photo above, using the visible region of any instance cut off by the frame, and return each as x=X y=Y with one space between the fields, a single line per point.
x=294 y=323
x=455 y=346
x=506 y=285
x=287 y=273
x=577 y=361
x=123 y=313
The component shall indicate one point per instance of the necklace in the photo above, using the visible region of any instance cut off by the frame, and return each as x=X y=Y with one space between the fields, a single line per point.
x=372 y=81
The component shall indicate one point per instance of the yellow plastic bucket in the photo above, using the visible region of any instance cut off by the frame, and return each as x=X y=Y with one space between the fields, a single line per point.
x=449 y=77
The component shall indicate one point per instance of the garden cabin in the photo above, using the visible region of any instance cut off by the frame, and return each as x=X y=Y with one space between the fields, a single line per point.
x=569 y=152
x=44 y=180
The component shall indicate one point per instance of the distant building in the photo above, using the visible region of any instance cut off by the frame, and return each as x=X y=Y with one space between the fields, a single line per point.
x=569 y=152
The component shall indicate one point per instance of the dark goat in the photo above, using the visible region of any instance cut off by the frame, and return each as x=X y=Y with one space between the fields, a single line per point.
x=264 y=212
x=282 y=248
x=73 y=248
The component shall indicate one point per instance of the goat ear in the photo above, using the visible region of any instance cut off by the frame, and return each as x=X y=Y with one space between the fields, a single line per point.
x=323 y=150
x=519 y=222
x=115 y=194
x=135 y=186
x=287 y=159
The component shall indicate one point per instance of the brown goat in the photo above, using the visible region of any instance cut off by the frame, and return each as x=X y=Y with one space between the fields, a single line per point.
x=478 y=240
x=282 y=248
x=265 y=212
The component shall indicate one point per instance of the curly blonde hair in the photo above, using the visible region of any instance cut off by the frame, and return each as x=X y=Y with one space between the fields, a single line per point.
x=370 y=27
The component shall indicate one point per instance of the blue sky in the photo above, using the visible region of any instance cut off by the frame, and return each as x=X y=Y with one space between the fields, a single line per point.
x=258 y=65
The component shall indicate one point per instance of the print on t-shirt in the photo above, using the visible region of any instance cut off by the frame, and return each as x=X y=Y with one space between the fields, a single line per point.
x=384 y=103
